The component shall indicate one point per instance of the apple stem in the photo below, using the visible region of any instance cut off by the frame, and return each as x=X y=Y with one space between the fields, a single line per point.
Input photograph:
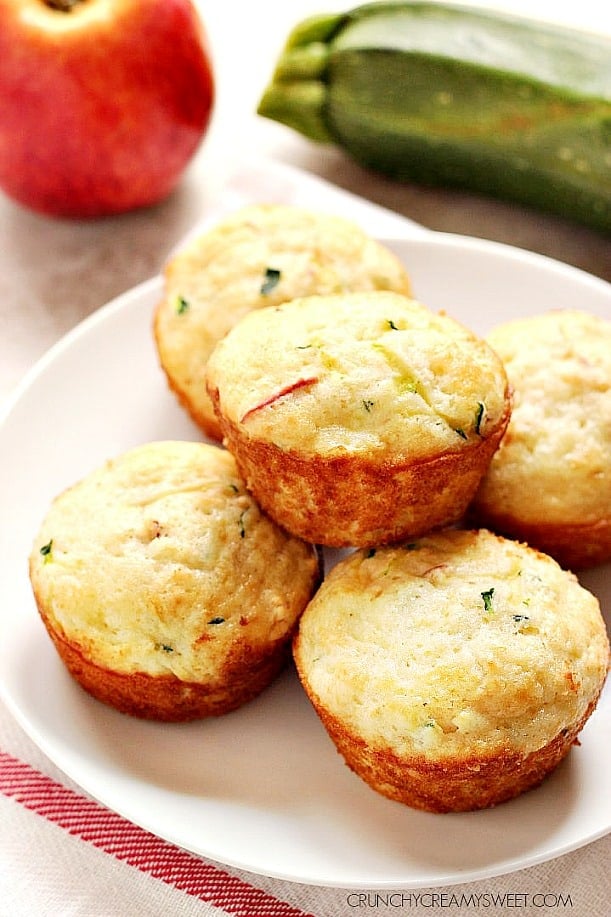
x=64 y=6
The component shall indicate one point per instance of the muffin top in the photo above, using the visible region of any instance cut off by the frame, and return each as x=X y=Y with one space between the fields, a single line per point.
x=555 y=460
x=357 y=373
x=261 y=255
x=460 y=643
x=161 y=562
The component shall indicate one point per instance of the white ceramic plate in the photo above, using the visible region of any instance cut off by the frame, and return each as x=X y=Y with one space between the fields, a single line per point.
x=263 y=788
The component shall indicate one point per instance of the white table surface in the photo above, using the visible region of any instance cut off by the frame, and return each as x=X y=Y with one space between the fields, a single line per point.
x=53 y=273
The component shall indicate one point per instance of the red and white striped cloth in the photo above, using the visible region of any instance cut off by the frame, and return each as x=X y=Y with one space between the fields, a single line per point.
x=62 y=853
x=83 y=818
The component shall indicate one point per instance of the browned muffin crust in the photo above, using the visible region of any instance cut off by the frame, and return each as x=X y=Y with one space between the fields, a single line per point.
x=348 y=500
x=166 y=697
x=549 y=484
x=576 y=546
x=453 y=672
x=463 y=785
x=359 y=419
x=167 y=592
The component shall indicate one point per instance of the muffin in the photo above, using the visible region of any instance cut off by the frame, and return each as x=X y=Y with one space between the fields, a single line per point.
x=361 y=418
x=550 y=481
x=166 y=591
x=259 y=256
x=453 y=672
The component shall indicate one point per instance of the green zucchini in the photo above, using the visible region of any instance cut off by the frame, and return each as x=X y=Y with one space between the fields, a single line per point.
x=457 y=97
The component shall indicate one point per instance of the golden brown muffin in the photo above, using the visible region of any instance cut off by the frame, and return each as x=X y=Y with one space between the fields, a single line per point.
x=453 y=672
x=550 y=482
x=261 y=255
x=361 y=418
x=167 y=593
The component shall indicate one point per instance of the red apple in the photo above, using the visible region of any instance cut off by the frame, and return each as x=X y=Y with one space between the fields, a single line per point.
x=102 y=102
